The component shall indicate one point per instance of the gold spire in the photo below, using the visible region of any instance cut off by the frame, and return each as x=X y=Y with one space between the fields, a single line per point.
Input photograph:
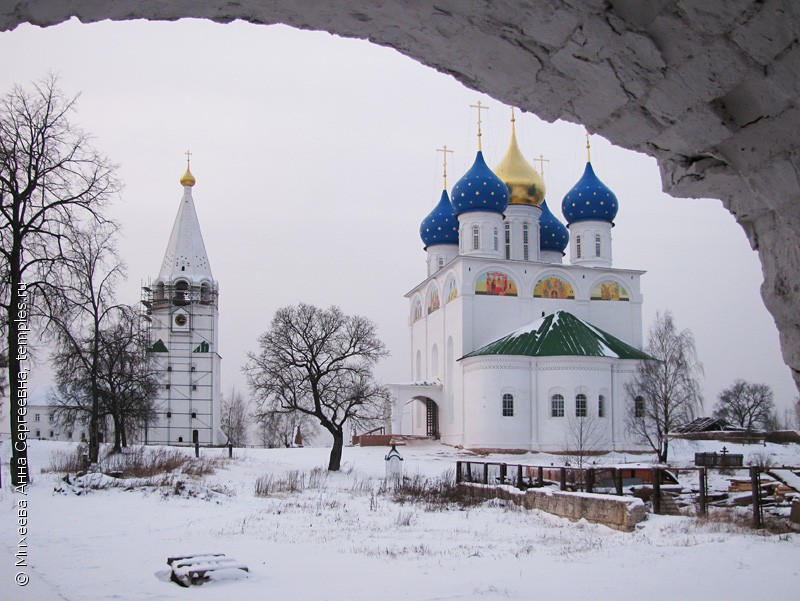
x=187 y=179
x=444 y=151
x=480 y=107
x=588 y=148
x=525 y=184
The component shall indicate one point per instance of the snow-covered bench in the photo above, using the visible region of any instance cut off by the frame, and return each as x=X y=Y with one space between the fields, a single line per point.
x=197 y=569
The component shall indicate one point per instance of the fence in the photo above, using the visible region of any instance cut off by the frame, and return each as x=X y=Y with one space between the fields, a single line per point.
x=606 y=480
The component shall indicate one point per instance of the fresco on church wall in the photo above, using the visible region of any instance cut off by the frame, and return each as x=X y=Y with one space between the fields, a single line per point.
x=452 y=290
x=495 y=283
x=416 y=312
x=610 y=291
x=433 y=300
x=553 y=287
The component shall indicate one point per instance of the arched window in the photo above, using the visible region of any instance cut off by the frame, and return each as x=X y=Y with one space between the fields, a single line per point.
x=476 y=237
x=525 y=239
x=507 y=228
x=601 y=406
x=638 y=407
x=580 y=405
x=181 y=296
x=205 y=292
x=159 y=295
x=578 y=247
x=557 y=406
x=508 y=405
x=597 y=245
x=496 y=240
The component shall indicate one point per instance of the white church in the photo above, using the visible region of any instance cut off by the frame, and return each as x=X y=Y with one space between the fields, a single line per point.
x=183 y=312
x=509 y=344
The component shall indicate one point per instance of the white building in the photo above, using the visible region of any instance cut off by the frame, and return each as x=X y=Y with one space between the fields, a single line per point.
x=44 y=422
x=495 y=267
x=183 y=312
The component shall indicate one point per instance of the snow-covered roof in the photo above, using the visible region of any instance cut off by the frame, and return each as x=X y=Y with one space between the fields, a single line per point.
x=560 y=334
x=186 y=255
x=42 y=395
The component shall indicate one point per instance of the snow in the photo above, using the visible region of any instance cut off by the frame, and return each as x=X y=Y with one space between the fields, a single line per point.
x=341 y=539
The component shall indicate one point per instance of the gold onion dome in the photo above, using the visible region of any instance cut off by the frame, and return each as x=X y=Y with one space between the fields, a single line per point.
x=187 y=179
x=525 y=184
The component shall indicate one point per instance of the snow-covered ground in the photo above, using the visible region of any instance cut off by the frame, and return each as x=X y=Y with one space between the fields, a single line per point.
x=341 y=539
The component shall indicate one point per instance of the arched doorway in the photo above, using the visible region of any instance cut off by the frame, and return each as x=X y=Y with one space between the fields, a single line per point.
x=431 y=419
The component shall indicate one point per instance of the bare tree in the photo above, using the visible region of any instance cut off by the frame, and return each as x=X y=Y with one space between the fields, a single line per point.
x=278 y=429
x=664 y=392
x=50 y=178
x=234 y=418
x=79 y=308
x=128 y=383
x=746 y=404
x=586 y=435
x=319 y=362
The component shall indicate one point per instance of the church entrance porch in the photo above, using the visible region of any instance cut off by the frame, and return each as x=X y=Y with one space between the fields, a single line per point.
x=431 y=419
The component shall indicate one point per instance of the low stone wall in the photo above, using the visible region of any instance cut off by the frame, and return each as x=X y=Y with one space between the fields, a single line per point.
x=620 y=513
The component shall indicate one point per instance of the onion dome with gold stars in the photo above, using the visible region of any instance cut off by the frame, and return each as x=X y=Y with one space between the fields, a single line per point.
x=525 y=184
x=553 y=234
x=479 y=189
x=441 y=224
x=589 y=200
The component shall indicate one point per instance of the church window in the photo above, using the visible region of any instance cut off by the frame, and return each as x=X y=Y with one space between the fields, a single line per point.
x=557 y=406
x=638 y=407
x=205 y=292
x=37 y=417
x=580 y=405
x=440 y=262
x=508 y=405
x=601 y=406
x=578 y=247
x=507 y=227
x=525 y=241
x=476 y=237
x=496 y=240
x=597 y=245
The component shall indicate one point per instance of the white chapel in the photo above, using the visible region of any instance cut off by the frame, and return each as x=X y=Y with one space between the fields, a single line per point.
x=510 y=344
x=183 y=312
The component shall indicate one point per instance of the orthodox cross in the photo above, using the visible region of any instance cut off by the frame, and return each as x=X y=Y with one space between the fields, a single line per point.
x=541 y=160
x=480 y=108
x=444 y=151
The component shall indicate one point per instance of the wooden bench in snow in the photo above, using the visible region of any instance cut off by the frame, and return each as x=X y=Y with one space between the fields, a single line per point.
x=197 y=569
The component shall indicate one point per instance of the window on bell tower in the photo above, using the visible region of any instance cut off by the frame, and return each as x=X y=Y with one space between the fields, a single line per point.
x=597 y=245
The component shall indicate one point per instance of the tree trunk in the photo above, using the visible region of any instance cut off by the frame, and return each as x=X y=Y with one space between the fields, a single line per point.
x=123 y=432
x=117 y=435
x=335 y=461
x=17 y=379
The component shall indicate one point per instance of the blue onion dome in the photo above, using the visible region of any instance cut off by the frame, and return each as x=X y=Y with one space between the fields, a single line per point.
x=553 y=234
x=480 y=189
x=589 y=200
x=441 y=225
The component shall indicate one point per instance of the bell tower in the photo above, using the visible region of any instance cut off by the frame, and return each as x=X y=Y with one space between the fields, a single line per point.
x=182 y=307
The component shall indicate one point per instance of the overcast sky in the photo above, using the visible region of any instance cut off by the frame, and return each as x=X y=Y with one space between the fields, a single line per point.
x=315 y=160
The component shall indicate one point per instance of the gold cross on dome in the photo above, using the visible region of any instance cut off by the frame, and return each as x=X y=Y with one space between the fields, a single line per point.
x=588 y=148
x=541 y=160
x=480 y=108
x=188 y=155
x=444 y=151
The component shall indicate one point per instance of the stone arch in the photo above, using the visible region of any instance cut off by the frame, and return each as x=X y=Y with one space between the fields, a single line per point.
x=425 y=418
x=450 y=287
x=554 y=284
x=711 y=94
x=609 y=288
x=433 y=298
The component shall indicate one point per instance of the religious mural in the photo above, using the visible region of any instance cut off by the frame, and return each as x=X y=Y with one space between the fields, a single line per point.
x=433 y=300
x=452 y=290
x=495 y=283
x=553 y=287
x=416 y=313
x=610 y=291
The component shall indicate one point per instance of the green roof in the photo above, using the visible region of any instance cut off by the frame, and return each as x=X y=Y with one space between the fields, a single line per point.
x=557 y=335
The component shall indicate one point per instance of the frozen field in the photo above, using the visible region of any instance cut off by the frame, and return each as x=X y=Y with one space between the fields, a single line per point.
x=341 y=539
